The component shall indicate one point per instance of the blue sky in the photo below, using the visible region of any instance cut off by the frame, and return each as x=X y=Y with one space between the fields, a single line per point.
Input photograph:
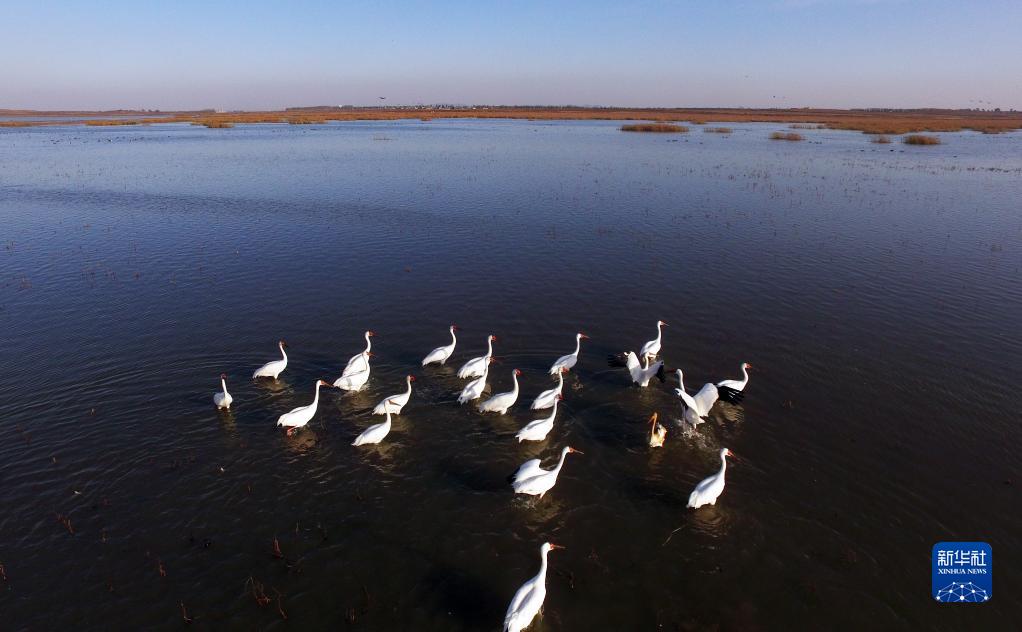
x=260 y=55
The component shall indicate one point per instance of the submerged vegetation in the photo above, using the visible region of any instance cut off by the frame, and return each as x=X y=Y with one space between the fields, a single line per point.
x=654 y=127
x=786 y=136
x=920 y=139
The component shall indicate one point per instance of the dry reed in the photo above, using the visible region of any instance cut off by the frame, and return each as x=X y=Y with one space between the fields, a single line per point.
x=786 y=136
x=654 y=127
x=920 y=139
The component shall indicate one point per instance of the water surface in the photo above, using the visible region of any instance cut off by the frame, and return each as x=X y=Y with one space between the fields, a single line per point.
x=876 y=288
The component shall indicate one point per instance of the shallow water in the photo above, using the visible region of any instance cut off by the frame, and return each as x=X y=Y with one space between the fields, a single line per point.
x=876 y=289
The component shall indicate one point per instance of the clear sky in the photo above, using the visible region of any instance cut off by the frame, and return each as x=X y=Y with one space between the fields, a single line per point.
x=259 y=55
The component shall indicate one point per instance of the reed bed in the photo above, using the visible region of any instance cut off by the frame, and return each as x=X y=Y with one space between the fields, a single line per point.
x=792 y=136
x=882 y=139
x=111 y=122
x=807 y=126
x=921 y=139
x=214 y=124
x=718 y=130
x=654 y=127
x=868 y=121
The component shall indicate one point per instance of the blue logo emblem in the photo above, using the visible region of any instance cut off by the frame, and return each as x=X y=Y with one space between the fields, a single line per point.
x=962 y=572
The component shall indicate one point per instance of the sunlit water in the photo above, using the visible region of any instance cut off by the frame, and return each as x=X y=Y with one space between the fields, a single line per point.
x=876 y=288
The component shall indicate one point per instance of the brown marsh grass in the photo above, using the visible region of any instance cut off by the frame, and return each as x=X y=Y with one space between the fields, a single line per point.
x=786 y=136
x=105 y=122
x=214 y=124
x=882 y=139
x=718 y=130
x=867 y=121
x=921 y=139
x=654 y=127
x=807 y=126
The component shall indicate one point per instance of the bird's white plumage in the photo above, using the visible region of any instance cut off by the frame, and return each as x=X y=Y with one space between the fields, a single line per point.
x=360 y=361
x=394 y=403
x=373 y=434
x=440 y=354
x=652 y=348
x=355 y=380
x=222 y=398
x=738 y=385
x=475 y=388
x=700 y=403
x=528 y=600
x=538 y=429
x=538 y=481
x=477 y=366
x=711 y=487
x=567 y=362
x=500 y=402
x=275 y=368
x=547 y=398
x=300 y=416
x=641 y=374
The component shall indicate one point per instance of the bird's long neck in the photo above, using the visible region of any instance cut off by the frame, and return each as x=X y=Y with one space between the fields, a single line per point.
x=659 y=332
x=745 y=376
x=723 y=465
x=454 y=339
x=560 y=382
x=489 y=347
x=541 y=576
x=223 y=383
x=409 y=380
x=387 y=422
x=560 y=464
x=369 y=342
x=514 y=378
x=681 y=380
x=578 y=344
x=315 y=400
x=553 y=413
x=282 y=353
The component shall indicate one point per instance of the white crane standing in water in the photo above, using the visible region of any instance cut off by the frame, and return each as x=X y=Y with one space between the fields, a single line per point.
x=652 y=348
x=300 y=416
x=534 y=480
x=528 y=601
x=395 y=403
x=711 y=487
x=223 y=399
x=441 y=354
x=275 y=368
x=477 y=366
x=500 y=402
x=567 y=362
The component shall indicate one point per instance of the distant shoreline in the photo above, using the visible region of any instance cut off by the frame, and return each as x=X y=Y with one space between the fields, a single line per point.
x=866 y=121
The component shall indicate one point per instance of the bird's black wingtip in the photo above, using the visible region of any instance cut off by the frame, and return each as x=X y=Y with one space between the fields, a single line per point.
x=615 y=361
x=661 y=375
x=730 y=395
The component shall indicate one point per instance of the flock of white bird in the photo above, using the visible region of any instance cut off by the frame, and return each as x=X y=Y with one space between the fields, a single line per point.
x=531 y=478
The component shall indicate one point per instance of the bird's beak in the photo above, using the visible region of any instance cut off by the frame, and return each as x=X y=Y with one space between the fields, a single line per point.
x=556 y=546
x=653 y=418
x=575 y=451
